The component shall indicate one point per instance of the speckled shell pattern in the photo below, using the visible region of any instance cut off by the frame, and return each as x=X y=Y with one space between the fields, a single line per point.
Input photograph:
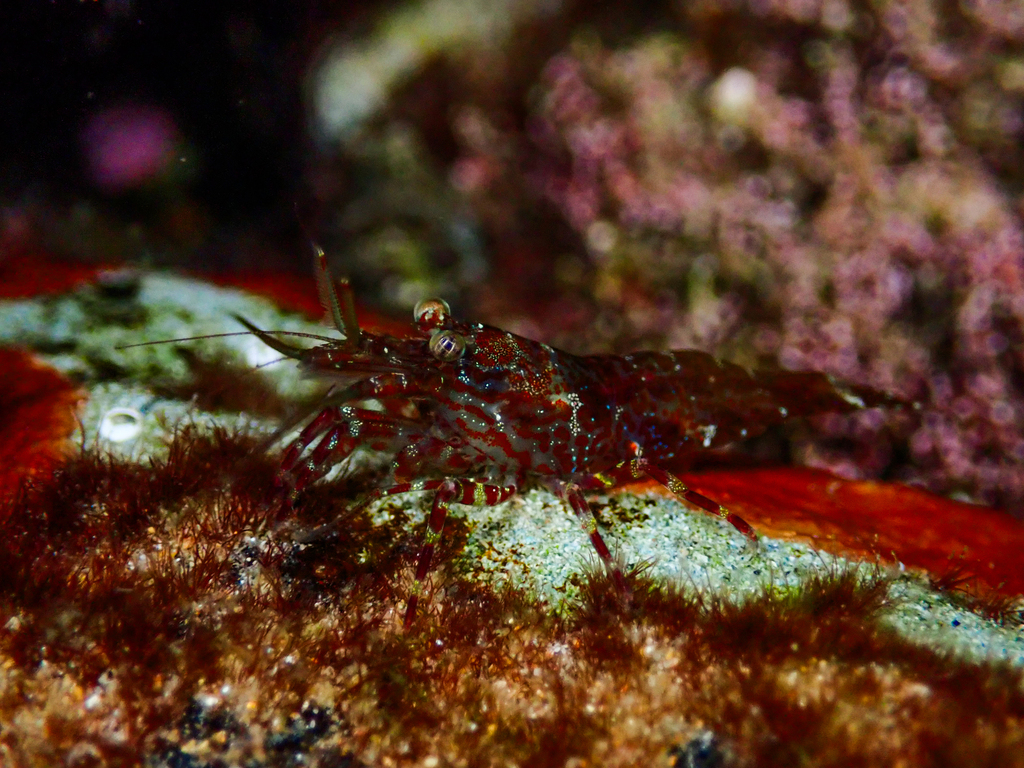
x=511 y=407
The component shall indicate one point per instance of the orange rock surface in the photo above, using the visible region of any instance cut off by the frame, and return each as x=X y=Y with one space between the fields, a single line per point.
x=37 y=416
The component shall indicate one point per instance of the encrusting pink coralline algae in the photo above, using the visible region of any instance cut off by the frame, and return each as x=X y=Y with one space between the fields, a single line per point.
x=843 y=195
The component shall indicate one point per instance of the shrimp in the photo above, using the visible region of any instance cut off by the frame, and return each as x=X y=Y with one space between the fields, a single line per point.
x=471 y=413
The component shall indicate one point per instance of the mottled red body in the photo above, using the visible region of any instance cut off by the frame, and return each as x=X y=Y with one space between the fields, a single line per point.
x=471 y=412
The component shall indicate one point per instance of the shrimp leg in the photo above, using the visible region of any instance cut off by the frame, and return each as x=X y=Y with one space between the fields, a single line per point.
x=641 y=467
x=450 y=491
x=572 y=493
x=341 y=430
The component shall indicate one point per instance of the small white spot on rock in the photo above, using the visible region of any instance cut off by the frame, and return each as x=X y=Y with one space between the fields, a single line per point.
x=119 y=425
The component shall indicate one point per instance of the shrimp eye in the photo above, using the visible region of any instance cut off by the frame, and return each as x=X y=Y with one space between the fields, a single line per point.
x=447 y=345
x=431 y=313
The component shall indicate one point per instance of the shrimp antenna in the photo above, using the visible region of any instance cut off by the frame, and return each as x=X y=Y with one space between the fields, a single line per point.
x=343 y=312
x=295 y=353
x=220 y=336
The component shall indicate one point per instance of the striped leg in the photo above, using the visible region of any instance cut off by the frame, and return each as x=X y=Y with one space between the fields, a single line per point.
x=642 y=467
x=341 y=430
x=348 y=421
x=333 y=410
x=585 y=515
x=449 y=492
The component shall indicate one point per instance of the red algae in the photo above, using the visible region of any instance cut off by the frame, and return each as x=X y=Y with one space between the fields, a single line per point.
x=176 y=613
x=37 y=416
x=27 y=276
x=872 y=520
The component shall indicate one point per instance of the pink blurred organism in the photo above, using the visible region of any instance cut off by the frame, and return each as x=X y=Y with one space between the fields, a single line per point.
x=127 y=146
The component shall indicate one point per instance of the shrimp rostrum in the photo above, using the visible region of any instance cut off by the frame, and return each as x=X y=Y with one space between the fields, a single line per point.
x=471 y=412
